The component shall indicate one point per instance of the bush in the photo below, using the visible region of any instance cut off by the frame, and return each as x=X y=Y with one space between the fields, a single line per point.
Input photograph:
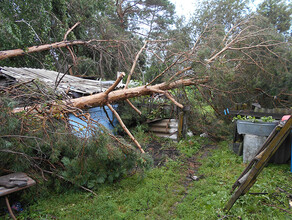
x=30 y=143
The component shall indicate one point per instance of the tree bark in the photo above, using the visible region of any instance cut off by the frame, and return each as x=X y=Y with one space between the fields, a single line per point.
x=103 y=98
x=19 y=52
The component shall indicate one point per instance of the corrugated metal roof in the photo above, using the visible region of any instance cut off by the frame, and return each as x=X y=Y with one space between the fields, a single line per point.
x=50 y=78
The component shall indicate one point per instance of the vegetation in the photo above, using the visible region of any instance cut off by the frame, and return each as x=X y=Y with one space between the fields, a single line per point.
x=167 y=192
x=243 y=55
x=51 y=148
x=253 y=119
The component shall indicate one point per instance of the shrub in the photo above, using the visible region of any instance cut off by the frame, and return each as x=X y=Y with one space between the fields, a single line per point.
x=31 y=143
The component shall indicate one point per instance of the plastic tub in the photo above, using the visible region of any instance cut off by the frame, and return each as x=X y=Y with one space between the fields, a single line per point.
x=255 y=128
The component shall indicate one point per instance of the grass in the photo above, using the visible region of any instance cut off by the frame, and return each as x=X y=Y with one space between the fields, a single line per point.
x=165 y=192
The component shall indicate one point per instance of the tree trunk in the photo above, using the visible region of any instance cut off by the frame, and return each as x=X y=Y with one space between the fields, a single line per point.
x=19 y=52
x=103 y=98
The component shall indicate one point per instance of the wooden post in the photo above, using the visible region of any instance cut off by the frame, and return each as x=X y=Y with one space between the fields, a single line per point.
x=180 y=126
x=182 y=122
x=186 y=110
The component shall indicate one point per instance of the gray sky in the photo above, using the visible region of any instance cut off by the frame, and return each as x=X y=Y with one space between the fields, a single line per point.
x=187 y=7
x=184 y=7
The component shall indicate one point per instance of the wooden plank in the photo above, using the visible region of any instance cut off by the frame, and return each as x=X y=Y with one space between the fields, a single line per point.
x=180 y=125
x=164 y=123
x=4 y=191
x=248 y=177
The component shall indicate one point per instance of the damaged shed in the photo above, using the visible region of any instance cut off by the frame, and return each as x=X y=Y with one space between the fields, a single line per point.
x=68 y=85
x=63 y=83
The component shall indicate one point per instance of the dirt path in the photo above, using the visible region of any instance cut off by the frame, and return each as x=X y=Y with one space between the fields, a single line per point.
x=189 y=168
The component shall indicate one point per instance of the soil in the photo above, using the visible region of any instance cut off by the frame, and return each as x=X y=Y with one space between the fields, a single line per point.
x=161 y=154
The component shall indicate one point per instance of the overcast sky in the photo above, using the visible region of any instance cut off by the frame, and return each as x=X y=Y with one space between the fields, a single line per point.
x=184 y=7
x=187 y=7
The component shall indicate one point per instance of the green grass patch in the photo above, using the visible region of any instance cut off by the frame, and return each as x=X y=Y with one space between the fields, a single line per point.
x=165 y=193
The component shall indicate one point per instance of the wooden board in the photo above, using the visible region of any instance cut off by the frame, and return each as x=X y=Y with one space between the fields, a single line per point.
x=4 y=191
x=248 y=177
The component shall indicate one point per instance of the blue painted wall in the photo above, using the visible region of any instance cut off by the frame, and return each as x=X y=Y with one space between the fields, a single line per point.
x=96 y=113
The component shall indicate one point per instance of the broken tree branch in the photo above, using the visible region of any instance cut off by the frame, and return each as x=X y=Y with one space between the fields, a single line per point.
x=71 y=50
x=131 y=73
x=164 y=71
x=125 y=128
x=19 y=52
x=61 y=177
x=277 y=208
x=134 y=64
x=74 y=26
x=113 y=86
x=180 y=72
x=168 y=96
x=137 y=110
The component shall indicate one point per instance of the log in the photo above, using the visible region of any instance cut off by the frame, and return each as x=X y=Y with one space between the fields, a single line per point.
x=103 y=98
x=19 y=52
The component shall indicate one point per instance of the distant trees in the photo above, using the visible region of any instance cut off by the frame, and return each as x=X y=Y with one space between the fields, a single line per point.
x=31 y=23
x=278 y=13
x=245 y=52
x=146 y=17
x=248 y=59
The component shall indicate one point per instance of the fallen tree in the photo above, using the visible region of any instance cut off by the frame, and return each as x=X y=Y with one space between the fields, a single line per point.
x=110 y=96
x=106 y=97
x=20 y=52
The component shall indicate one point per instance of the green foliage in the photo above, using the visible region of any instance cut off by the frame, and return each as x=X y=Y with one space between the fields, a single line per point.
x=223 y=12
x=28 y=23
x=24 y=24
x=165 y=193
x=236 y=76
x=101 y=161
x=253 y=119
x=267 y=119
x=133 y=15
x=27 y=143
x=278 y=12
